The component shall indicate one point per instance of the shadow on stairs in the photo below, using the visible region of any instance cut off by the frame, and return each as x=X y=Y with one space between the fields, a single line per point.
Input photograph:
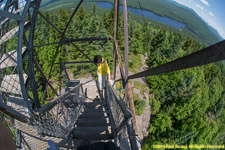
x=93 y=122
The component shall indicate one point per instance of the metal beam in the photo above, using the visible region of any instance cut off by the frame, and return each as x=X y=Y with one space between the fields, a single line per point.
x=78 y=40
x=51 y=104
x=71 y=17
x=43 y=75
x=66 y=74
x=126 y=46
x=12 y=113
x=29 y=46
x=128 y=91
x=63 y=36
x=6 y=19
x=207 y=55
x=11 y=15
x=120 y=61
x=75 y=62
x=8 y=4
x=78 y=62
x=61 y=33
x=115 y=37
x=19 y=56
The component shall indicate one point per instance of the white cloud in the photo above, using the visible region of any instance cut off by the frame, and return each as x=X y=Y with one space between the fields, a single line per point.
x=211 y=14
x=200 y=7
x=205 y=2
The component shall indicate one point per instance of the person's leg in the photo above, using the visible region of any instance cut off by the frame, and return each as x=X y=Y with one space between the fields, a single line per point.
x=104 y=82
x=100 y=83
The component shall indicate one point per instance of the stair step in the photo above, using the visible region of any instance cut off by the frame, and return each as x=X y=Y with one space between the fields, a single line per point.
x=93 y=122
x=92 y=133
x=93 y=110
x=94 y=104
x=93 y=115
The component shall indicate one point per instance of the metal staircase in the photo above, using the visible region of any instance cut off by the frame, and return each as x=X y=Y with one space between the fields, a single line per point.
x=71 y=117
x=93 y=123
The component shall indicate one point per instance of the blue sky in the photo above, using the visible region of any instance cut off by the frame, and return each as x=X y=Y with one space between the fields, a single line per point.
x=212 y=11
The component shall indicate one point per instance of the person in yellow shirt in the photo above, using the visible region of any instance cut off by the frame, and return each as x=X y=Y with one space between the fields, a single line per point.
x=103 y=71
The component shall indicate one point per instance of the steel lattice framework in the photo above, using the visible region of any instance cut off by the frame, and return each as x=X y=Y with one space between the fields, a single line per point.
x=18 y=86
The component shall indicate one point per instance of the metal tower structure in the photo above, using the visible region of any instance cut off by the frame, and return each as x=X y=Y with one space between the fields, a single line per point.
x=59 y=121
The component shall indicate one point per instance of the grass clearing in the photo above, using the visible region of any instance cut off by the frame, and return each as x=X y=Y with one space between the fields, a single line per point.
x=135 y=62
x=141 y=87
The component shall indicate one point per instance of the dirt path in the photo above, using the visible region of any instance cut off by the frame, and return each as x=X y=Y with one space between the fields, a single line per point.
x=144 y=119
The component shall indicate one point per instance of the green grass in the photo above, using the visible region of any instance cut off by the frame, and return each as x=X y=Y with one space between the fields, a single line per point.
x=118 y=85
x=141 y=87
x=135 y=63
x=135 y=96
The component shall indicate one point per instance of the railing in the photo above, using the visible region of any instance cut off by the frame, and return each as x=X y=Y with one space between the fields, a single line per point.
x=119 y=112
x=120 y=116
x=57 y=118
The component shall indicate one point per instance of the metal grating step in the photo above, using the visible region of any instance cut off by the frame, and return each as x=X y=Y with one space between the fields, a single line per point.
x=11 y=84
x=9 y=59
x=93 y=133
x=93 y=122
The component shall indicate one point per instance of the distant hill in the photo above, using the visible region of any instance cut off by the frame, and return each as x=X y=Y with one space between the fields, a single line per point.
x=205 y=33
x=213 y=30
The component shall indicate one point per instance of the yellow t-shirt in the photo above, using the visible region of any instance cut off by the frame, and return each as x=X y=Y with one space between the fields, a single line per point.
x=103 y=69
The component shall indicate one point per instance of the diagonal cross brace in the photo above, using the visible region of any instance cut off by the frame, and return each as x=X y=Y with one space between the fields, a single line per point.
x=207 y=55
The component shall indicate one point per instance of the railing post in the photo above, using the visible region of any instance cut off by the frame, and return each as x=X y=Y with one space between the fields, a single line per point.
x=110 y=109
x=60 y=79
x=18 y=138
x=126 y=47
x=115 y=37
x=128 y=92
x=134 y=139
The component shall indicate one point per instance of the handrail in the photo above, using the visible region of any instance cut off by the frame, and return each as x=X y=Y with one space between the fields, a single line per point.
x=119 y=113
x=121 y=103
x=13 y=113
x=121 y=117
x=59 y=98
x=57 y=118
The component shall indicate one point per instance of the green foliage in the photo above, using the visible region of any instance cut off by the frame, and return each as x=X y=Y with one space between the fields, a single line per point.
x=141 y=87
x=83 y=25
x=191 y=99
x=155 y=105
x=139 y=106
x=160 y=124
x=187 y=106
x=199 y=29
x=135 y=62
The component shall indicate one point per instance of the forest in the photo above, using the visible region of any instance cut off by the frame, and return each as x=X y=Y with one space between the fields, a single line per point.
x=187 y=106
x=197 y=28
